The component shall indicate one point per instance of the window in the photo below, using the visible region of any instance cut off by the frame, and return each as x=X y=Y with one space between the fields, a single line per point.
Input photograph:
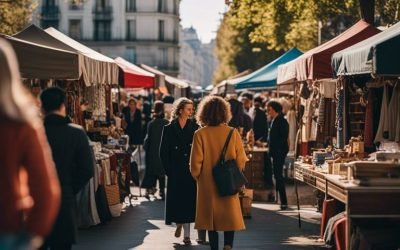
x=75 y=5
x=162 y=6
x=176 y=4
x=176 y=33
x=49 y=23
x=130 y=5
x=131 y=54
x=161 y=30
x=163 y=63
x=102 y=30
x=102 y=4
x=131 y=30
x=75 y=29
x=50 y=3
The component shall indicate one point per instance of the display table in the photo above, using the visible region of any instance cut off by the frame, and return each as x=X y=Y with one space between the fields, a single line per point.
x=361 y=202
x=254 y=172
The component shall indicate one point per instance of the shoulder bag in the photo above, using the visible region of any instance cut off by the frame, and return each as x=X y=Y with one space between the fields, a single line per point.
x=227 y=176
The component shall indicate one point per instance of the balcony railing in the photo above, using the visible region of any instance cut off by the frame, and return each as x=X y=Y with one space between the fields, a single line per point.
x=103 y=12
x=76 y=6
x=51 y=12
x=165 y=40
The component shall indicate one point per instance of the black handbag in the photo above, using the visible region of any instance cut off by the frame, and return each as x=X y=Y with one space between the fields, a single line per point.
x=227 y=176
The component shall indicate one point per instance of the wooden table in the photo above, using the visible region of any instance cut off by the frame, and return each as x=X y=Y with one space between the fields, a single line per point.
x=361 y=202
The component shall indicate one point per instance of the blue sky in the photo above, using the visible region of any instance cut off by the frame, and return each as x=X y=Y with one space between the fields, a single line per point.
x=203 y=15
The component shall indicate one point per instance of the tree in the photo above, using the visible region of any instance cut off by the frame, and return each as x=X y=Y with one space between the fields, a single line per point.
x=15 y=15
x=388 y=11
x=274 y=26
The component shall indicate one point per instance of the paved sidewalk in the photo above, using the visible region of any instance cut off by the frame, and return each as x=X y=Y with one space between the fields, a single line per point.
x=142 y=227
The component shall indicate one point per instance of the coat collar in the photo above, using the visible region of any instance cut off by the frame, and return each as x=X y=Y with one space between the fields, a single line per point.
x=53 y=119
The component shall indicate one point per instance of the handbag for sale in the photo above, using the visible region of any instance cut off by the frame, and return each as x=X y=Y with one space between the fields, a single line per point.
x=227 y=176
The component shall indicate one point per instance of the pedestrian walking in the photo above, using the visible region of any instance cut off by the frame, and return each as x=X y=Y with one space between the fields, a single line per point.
x=133 y=122
x=213 y=212
x=154 y=168
x=278 y=145
x=29 y=188
x=176 y=144
x=74 y=163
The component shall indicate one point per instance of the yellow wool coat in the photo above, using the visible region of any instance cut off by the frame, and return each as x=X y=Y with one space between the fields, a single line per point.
x=214 y=212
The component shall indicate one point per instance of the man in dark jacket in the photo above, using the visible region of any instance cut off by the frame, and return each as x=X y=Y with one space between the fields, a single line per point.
x=133 y=119
x=73 y=159
x=278 y=146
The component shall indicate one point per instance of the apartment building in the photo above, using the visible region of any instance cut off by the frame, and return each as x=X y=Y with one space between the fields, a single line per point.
x=141 y=31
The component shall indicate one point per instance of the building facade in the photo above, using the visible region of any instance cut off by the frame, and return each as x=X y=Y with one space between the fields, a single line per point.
x=197 y=62
x=141 y=31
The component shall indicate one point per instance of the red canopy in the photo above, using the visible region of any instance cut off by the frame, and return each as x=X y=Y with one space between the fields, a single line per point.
x=316 y=63
x=134 y=76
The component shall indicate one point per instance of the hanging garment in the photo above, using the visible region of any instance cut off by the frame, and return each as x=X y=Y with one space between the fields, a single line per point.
x=394 y=112
x=291 y=118
x=306 y=121
x=327 y=89
x=92 y=200
x=383 y=128
x=339 y=115
x=369 y=120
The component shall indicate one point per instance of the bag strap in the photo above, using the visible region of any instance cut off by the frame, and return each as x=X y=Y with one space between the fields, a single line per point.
x=222 y=158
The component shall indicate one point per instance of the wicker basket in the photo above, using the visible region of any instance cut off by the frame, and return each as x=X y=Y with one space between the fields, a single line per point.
x=112 y=193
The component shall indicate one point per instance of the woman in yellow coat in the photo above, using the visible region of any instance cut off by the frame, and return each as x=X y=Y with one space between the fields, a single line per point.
x=213 y=212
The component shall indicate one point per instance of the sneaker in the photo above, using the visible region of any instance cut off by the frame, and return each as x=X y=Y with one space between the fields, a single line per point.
x=227 y=247
x=284 y=207
x=178 y=230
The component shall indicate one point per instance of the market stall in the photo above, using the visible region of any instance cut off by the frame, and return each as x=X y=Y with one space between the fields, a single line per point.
x=94 y=67
x=265 y=77
x=177 y=87
x=44 y=62
x=134 y=76
x=317 y=95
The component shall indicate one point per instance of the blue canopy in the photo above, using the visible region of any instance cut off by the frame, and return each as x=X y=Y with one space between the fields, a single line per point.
x=265 y=77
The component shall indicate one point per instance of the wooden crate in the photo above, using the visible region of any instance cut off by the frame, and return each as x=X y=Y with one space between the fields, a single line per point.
x=245 y=204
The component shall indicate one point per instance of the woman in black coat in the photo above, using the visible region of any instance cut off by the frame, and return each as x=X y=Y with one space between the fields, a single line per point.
x=133 y=118
x=175 y=150
x=154 y=169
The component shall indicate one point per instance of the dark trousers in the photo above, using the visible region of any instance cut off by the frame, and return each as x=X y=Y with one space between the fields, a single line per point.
x=150 y=181
x=213 y=238
x=268 y=171
x=277 y=163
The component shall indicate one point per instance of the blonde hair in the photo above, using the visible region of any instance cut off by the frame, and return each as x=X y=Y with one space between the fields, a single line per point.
x=15 y=102
x=178 y=105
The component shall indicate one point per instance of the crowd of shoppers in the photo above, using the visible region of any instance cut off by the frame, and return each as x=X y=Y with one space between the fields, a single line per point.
x=46 y=166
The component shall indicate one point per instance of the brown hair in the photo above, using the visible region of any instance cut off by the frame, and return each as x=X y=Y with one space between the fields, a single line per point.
x=179 y=105
x=158 y=109
x=213 y=111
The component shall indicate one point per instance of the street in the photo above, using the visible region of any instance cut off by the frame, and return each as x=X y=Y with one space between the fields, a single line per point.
x=142 y=227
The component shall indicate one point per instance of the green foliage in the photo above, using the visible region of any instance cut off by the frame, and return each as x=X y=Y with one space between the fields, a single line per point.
x=271 y=27
x=15 y=15
x=388 y=11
